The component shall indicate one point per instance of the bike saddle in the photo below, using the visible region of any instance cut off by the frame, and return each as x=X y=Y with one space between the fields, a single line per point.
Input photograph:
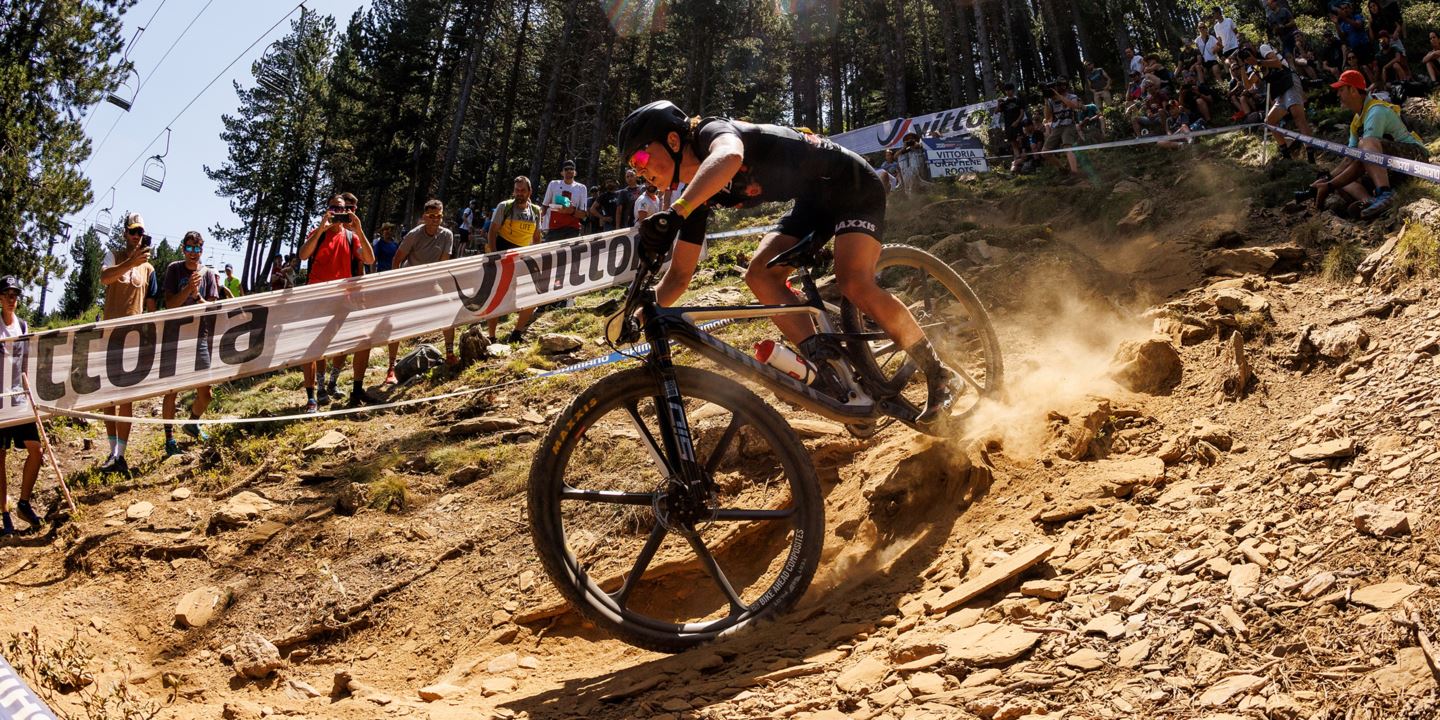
x=802 y=255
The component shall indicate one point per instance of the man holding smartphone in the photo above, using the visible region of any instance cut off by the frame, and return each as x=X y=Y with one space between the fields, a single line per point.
x=189 y=282
x=130 y=289
x=336 y=249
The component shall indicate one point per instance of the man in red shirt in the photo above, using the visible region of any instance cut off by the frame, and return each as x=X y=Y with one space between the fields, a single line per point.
x=336 y=250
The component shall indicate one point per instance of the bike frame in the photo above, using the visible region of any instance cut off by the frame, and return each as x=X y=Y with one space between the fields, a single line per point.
x=664 y=324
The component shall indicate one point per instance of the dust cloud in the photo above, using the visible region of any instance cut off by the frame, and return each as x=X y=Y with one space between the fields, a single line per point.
x=1058 y=349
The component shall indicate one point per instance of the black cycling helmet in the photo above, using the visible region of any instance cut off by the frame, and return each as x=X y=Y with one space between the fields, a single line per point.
x=649 y=123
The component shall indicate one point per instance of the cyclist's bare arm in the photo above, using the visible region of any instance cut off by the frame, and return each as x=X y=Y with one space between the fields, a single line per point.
x=726 y=156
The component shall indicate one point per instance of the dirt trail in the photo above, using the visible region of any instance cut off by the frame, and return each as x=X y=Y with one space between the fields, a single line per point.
x=1107 y=542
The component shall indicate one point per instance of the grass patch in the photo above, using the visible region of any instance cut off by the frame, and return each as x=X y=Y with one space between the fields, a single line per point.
x=1418 y=250
x=1340 y=261
x=390 y=493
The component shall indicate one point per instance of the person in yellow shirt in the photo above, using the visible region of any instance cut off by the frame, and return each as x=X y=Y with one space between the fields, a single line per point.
x=515 y=224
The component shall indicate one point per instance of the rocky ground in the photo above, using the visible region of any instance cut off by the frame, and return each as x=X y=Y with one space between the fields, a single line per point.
x=1208 y=494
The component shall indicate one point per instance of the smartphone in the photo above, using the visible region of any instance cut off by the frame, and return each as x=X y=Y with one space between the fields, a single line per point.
x=342 y=218
x=145 y=241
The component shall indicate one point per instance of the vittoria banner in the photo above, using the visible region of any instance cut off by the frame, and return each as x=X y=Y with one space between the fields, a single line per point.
x=101 y=364
x=946 y=123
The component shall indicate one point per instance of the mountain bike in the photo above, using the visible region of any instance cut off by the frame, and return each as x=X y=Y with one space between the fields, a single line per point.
x=672 y=506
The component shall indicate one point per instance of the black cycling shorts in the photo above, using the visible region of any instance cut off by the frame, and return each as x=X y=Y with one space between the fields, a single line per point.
x=834 y=212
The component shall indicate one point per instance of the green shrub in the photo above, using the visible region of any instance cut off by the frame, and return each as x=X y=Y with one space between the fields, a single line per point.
x=390 y=493
x=1340 y=261
x=1418 y=250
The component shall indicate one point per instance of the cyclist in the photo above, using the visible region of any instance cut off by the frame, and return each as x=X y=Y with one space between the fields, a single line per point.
x=836 y=193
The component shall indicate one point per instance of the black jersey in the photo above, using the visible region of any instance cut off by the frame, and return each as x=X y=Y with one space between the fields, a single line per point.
x=781 y=164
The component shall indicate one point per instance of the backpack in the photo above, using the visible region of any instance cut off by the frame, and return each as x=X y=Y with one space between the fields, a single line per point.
x=418 y=361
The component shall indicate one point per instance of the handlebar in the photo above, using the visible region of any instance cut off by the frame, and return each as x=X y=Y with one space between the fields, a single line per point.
x=622 y=327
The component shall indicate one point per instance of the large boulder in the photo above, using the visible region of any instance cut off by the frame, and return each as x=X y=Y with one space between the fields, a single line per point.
x=1151 y=366
x=255 y=657
x=1240 y=261
x=1340 y=341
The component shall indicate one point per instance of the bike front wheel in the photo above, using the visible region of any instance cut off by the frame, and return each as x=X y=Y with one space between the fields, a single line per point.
x=950 y=314
x=621 y=538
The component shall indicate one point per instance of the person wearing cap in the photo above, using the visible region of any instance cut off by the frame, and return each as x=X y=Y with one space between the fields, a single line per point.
x=232 y=283
x=1282 y=84
x=1012 y=116
x=1377 y=128
x=131 y=288
x=21 y=437
x=188 y=282
x=564 y=205
x=912 y=163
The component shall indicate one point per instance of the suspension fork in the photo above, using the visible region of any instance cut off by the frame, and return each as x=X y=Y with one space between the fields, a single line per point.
x=675 y=434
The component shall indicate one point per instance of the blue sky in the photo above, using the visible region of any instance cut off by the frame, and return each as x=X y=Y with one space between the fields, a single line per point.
x=187 y=201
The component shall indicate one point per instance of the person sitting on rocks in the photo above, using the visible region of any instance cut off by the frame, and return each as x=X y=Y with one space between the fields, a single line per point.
x=1376 y=127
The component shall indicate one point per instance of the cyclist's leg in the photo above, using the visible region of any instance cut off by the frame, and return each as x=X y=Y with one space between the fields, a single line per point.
x=769 y=286
x=855 y=258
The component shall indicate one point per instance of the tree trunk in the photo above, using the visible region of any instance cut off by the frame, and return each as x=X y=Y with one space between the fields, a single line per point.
x=946 y=9
x=512 y=86
x=837 y=88
x=982 y=33
x=462 y=104
x=1007 y=59
x=895 y=99
x=597 y=127
x=932 y=85
x=552 y=90
x=1054 y=37
x=967 y=53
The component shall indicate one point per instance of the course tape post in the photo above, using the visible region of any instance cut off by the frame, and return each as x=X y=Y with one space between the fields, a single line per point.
x=17 y=700
x=1415 y=168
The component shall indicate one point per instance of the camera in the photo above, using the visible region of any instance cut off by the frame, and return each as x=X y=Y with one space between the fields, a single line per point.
x=341 y=218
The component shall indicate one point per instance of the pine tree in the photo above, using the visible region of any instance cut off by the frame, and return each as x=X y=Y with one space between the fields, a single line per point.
x=53 y=63
x=82 y=287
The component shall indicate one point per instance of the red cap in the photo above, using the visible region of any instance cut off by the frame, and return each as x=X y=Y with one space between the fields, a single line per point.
x=1353 y=78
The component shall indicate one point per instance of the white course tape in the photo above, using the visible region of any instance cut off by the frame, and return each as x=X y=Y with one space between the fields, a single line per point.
x=17 y=701
x=741 y=232
x=1143 y=140
x=1423 y=170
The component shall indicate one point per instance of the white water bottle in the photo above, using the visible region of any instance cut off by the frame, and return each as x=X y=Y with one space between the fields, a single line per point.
x=785 y=360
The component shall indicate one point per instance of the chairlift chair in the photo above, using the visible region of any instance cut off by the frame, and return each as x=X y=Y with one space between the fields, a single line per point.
x=103 y=224
x=268 y=76
x=152 y=176
x=123 y=96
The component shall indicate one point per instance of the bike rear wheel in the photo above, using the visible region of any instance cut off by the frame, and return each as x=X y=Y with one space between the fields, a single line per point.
x=604 y=505
x=953 y=319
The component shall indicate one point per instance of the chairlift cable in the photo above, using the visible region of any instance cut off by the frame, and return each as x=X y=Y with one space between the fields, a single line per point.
x=126 y=56
x=160 y=63
x=203 y=90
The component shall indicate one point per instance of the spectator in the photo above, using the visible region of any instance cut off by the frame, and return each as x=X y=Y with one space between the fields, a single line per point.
x=428 y=243
x=1393 y=65
x=189 y=282
x=1283 y=86
x=336 y=249
x=1282 y=25
x=1304 y=61
x=647 y=204
x=1152 y=117
x=232 y=283
x=515 y=224
x=1099 y=82
x=1351 y=27
x=385 y=247
x=1385 y=19
x=1209 y=48
x=1013 y=115
x=889 y=171
x=21 y=437
x=1226 y=31
x=130 y=289
x=1089 y=119
x=462 y=229
x=563 y=217
x=604 y=209
x=1061 y=108
x=1197 y=99
x=1133 y=62
x=1431 y=61
x=912 y=163
x=1032 y=141
x=280 y=273
x=625 y=200
x=1376 y=127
